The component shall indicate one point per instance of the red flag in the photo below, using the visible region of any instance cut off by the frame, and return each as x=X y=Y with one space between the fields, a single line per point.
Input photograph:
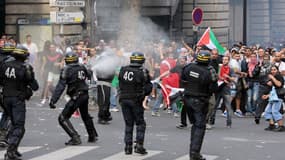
x=167 y=83
x=167 y=64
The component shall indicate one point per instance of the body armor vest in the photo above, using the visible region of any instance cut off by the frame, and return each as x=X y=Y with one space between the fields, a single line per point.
x=14 y=78
x=131 y=82
x=197 y=79
x=75 y=76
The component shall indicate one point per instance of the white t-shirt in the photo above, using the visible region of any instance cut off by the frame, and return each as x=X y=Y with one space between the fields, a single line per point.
x=280 y=65
x=33 y=49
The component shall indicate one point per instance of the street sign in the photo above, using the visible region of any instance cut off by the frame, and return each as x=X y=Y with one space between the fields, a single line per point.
x=195 y=28
x=66 y=17
x=66 y=3
x=23 y=21
x=197 y=16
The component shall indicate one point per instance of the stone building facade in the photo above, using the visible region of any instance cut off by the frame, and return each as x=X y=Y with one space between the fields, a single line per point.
x=231 y=20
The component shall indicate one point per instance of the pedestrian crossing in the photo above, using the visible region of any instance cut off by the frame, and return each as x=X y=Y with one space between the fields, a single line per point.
x=208 y=157
x=73 y=151
x=21 y=149
x=122 y=156
x=65 y=153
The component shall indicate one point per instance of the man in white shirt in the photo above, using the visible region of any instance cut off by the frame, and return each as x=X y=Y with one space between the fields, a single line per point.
x=280 y=64
x=33 y=50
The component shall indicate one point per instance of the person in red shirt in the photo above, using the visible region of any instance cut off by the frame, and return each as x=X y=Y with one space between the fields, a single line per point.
x=165 y=66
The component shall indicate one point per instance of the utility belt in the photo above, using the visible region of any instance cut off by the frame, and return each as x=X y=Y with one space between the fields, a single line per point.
x=131 y=95
x=78 y=94
x=193 y=90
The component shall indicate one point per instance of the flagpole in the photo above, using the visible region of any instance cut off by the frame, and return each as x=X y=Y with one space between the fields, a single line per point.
x=195 y=31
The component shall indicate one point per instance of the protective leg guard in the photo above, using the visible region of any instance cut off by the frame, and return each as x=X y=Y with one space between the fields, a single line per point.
x=68 y=128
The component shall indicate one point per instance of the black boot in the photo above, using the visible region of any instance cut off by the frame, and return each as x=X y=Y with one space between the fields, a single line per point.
x=92 y=139
x=101 y=121
x=11 y=154
x=3 y=138
x=128 y=149
x=196 y=156
x=92 y=133
x=257 y=120
x=271 y=127
x=18 y=153
x=75 y=140
x=140 y=149
x=109 y=118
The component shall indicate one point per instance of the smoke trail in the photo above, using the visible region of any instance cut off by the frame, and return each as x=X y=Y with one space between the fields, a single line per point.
x=136 y=29
x=107 y=63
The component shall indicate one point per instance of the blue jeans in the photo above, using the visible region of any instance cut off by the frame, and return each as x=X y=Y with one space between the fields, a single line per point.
x=113 y=97
x=227 y=97
x=272 y=110
x=159 y=100
x=252 y=95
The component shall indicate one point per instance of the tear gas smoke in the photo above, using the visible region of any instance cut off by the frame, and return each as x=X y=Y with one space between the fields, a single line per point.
x=107 y=63
x=136 y=29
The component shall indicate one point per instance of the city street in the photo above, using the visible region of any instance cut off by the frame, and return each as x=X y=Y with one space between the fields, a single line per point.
x=44 y=139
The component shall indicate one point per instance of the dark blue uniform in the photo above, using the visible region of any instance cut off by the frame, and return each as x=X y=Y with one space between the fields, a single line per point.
x=18 y=81
x=4 y=119
x=134 y=85
x=74 y=76
x=199 y=83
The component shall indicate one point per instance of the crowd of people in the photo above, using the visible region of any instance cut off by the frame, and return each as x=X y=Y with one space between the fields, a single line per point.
x=250 y=81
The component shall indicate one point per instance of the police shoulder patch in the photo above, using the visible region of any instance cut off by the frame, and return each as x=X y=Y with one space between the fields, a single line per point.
x=194 y=74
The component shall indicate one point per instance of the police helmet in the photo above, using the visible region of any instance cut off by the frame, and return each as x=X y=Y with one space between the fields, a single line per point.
x=203 y=57
x=20 y=52
x=8 y=48
x=137 y=58
x=71 y=57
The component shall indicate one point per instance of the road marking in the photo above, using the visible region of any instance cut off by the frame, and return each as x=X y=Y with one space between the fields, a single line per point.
x=208 y=157
x=134 y=156
x=65 y=153
x=237 y=139
x=21 y=150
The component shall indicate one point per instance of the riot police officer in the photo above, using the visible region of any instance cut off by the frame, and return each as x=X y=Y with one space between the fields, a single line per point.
x=18 y=80
x=74 y=75
x=134 y=85
x=5 y=55
x=199 y=81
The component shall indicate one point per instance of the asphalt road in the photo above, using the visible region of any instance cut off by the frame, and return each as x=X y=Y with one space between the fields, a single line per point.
x=44 y=139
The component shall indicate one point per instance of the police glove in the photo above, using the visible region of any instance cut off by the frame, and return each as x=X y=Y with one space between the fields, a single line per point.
x=52 y=105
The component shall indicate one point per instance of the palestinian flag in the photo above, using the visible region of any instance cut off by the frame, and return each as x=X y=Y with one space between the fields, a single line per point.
x=209 y=40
